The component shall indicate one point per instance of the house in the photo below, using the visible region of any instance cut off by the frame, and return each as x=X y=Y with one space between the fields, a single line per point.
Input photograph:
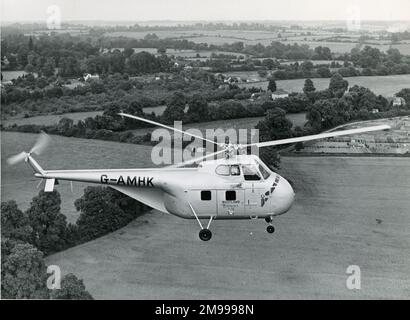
x=398 y=102
x=4 y=61
x=279 y=94
x=91 y=77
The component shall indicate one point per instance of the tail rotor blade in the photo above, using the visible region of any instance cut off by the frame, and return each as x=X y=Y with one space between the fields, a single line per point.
x=17 y=158
x=41 y=143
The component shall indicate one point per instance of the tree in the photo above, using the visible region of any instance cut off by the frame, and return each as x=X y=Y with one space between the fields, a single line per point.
x=175 y=110
x=14 y=223
x=272 y=85
x=30 y=44
x=323 y=72
x=275 y=126
x=103 y=210
x=65 y=126
x=128 y=52
x=71 y=288
x=198 y=109
x=405 y=94
x=162 y=50
x=308 y=87
x=262 y=73
x=338 y=85
x=48 y=67
x=29 y=68
x=307 y=67
x=23 y=272
x=51 y=233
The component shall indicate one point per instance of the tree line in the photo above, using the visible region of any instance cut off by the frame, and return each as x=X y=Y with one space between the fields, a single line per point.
x=41 y=230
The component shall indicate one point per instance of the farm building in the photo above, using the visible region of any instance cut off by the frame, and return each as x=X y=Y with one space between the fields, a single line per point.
x=91 y=77
x=398 y=102
x=280 y=93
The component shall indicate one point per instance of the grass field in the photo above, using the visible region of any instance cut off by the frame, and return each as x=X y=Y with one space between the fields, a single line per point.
x=384 y=85
x=347 y=211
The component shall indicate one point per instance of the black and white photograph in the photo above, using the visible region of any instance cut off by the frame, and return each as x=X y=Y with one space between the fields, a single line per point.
x=205 y=151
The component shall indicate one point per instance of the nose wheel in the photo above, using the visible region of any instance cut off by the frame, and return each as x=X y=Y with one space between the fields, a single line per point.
x=270 y=228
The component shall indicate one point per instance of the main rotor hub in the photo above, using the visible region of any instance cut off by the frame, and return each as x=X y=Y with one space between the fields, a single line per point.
x=231 y=149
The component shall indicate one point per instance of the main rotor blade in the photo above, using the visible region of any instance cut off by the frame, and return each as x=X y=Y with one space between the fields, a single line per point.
x=195 y=159
x=166 y=127
x=318 y=136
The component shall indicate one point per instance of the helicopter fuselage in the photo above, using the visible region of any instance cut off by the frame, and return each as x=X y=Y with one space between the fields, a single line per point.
x=238 y=188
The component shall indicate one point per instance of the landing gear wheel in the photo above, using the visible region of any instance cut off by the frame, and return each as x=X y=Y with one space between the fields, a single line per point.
x=205 y=234
x=268 y=219
x=270 y=229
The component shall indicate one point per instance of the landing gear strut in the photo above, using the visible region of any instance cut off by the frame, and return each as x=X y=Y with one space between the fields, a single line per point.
x=270 y=228
x=205 y=234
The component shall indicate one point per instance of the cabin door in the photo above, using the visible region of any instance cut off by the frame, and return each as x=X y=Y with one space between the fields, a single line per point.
x=203 y=202
x=231 y=202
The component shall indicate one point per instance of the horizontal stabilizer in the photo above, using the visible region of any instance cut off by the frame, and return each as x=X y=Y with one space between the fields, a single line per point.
x=49 y=185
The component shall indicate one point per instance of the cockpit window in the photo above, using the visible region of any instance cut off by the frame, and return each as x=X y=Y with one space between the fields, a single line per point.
x=250 y=172
x=265 y=173
x=222 y=170
x=235 y=171
x=226 y=170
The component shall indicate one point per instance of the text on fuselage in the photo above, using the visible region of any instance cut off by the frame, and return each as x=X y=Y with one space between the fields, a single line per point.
x=135 y=181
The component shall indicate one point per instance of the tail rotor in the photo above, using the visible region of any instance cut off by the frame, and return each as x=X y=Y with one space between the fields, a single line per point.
x=40 y=145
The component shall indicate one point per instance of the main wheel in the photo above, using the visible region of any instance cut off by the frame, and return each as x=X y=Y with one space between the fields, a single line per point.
x=268 y=219
x=205 y=235
x=270 y=229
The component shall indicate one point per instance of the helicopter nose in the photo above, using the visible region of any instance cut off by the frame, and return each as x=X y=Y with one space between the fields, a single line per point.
x=286 y=195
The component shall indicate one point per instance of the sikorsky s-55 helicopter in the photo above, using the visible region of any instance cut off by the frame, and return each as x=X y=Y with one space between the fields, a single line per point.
x=238 y=186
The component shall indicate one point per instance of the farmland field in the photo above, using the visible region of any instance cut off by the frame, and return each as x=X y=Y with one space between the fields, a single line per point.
x=300 y=37
x=50 y=119
x=10 y=75
x=384 y=85
x=393 y=141
x=347 y=211
x=76 y=116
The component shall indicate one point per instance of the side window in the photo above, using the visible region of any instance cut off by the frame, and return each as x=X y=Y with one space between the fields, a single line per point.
x=250 y=173
x=230 y=195
x=206 y=195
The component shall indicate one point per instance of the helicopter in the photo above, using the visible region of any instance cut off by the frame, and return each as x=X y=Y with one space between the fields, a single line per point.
x=236 y=186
